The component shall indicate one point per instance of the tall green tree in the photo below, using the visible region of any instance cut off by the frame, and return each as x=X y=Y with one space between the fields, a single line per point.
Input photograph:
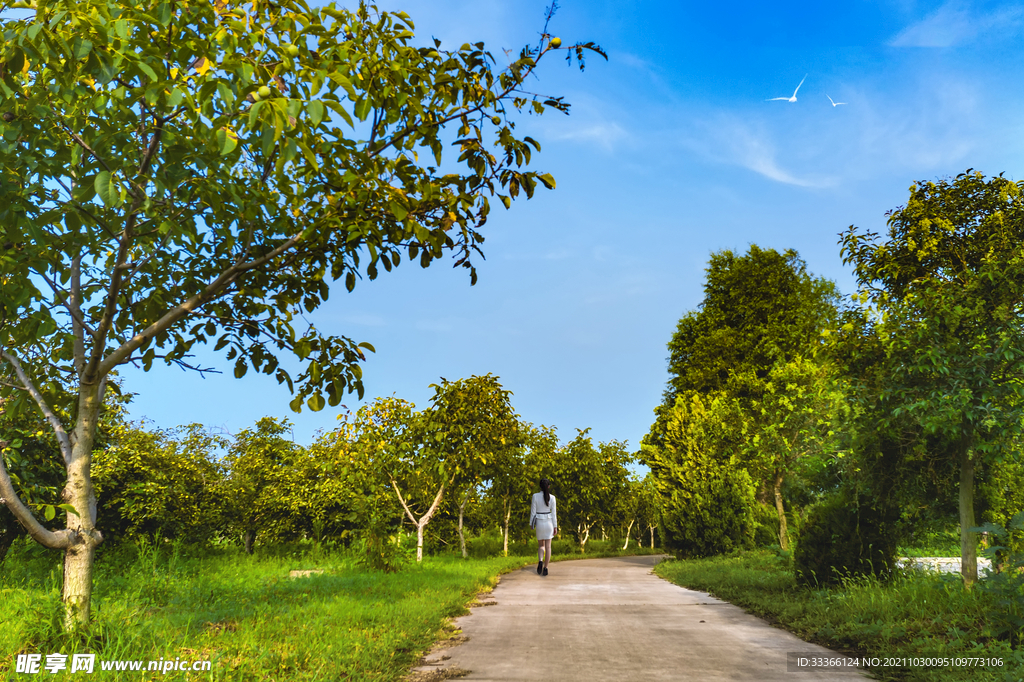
x=469 y=425
x=707 y=495
x=759 y=309
x=648 y=508
x=589 y=481
x=794 y=416
x=174 y=174
x=264 y=483
x=946 y=289
x=515 y=473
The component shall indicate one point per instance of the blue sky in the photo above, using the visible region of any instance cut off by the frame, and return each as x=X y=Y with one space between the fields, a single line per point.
x=671 y=153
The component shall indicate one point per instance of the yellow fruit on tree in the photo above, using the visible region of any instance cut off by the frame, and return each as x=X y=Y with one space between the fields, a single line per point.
x=556 y=42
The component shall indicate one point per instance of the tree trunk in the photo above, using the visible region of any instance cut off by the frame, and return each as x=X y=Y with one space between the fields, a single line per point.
x=783 y=532
x=421 y=522
x=652 y=537
x=508 y=514
x=584 y=537
x=968 y=539
x=80 y=494
x=632 y=521
x=249 y=537
x=462 y=537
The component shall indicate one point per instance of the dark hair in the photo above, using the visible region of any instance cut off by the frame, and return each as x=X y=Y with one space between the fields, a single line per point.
x=545 y=485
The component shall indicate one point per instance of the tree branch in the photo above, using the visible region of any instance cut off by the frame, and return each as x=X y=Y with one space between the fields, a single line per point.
x=58 y=429
x=8 y=496
x=180 y=311
x=113 y=291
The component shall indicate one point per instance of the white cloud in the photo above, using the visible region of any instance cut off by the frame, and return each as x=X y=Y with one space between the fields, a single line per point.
x=604 y=134
x=956 y=24
x=727 y=139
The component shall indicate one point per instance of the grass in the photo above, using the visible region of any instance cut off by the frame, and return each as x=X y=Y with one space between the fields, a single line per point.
x=243 y=613
x=916 y=614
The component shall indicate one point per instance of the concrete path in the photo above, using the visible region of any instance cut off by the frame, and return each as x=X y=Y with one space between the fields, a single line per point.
x=612 y=619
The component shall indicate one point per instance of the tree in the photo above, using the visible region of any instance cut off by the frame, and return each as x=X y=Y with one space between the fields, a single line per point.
x=261 y=493
x=945 y=291
x=161 y=482
x=173 y=174
x=589 y=481
x=648 y=508
x=356 y=483
x=469 y=424
x=792 y=418
x=759 y=308
x=391 y=441
x=516 y=471
x=707 y=496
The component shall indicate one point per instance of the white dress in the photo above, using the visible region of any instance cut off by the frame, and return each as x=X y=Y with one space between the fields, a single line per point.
x=543 y=517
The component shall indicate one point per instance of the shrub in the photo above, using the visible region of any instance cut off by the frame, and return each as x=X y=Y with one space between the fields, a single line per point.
x=709 y=509
x=846 y=534
x=766 y=526
x=1006 y=586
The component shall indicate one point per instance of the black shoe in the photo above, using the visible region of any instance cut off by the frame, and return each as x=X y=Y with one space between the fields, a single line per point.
x=545 y=571
x=540 y=567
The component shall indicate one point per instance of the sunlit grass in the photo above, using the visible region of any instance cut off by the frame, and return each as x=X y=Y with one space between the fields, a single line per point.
x=917 y=614
x=243 y=613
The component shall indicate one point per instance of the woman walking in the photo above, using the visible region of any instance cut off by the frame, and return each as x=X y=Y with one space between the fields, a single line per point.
x=544 y=520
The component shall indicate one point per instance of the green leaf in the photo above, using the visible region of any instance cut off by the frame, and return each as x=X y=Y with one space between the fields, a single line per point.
x=398 y=210
x=548 y=180
x=69 y=509
x=362 y=109
x=148 y=70
x=316 y=402
x=107 y=190
x=226 y=142
x=316 y=112
x=49 y=512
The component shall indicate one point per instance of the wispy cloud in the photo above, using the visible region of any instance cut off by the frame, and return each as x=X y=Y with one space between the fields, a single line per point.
x=592 y=122
x=956 y=23
x=604 y=134
x=726 y=138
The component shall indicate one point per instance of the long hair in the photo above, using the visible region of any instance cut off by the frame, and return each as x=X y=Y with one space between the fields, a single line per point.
x=545 y=486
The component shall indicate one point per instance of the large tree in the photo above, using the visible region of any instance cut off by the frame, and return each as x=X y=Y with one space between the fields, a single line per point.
x=469 y=425
x=793 y=417
x=173 y=174
x=945 y=290
x=759 y=308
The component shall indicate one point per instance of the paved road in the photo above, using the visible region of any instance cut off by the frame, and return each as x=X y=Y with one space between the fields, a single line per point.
x=612 y=619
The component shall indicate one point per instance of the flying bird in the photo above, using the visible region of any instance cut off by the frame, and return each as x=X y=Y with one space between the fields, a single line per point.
x=789 y=99
x=835 y=104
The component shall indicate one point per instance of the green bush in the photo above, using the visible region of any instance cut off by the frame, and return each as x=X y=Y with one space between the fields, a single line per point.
x=766 y=526
x=1006 y=586
x=709 y=509
x=846 y=534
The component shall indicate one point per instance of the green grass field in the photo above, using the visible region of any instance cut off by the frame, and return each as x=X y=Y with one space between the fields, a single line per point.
x=245 y=614
x=917 y=614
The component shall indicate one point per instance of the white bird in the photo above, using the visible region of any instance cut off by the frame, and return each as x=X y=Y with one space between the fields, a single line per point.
x=835 y=104
x=789 y=99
